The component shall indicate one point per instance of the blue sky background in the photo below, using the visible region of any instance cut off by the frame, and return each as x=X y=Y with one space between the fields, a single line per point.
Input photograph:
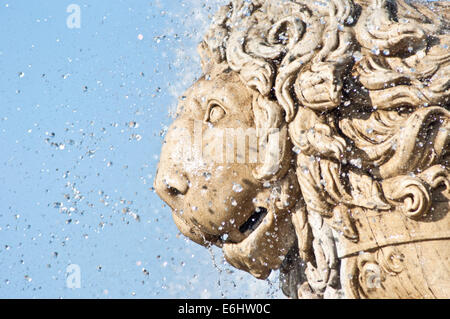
x=82 y=117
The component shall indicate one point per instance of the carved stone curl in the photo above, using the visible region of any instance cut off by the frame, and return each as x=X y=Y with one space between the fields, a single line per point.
x=350 y=104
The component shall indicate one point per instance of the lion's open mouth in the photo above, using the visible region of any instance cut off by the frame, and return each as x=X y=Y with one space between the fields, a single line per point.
x=254 y=221
x=268 y=237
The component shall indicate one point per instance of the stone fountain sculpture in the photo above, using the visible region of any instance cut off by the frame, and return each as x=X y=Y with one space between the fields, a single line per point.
x=349 y=194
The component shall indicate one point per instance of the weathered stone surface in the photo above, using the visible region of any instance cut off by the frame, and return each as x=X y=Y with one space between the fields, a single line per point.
x=349 y=105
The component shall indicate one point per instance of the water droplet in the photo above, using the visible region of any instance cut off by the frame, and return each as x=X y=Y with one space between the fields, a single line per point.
x=237 y=187
x=357 y=56
x=356 y=162
x=207 y=175
x=133 y=124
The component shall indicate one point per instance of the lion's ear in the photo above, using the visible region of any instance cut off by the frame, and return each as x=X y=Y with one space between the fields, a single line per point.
x=211 y=62
x=272 y=139
x=205 y=57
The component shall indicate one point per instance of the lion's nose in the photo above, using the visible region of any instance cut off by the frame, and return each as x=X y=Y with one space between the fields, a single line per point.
x=170 y=184
x=176 y=184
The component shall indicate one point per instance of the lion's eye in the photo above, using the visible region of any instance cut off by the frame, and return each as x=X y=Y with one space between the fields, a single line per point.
x=215 y=113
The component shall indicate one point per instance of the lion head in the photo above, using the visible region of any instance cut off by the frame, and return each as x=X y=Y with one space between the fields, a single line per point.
x=306 y=113
x=239 y=204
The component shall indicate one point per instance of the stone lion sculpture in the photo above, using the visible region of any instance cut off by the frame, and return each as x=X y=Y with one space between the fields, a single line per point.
x=350 y=103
